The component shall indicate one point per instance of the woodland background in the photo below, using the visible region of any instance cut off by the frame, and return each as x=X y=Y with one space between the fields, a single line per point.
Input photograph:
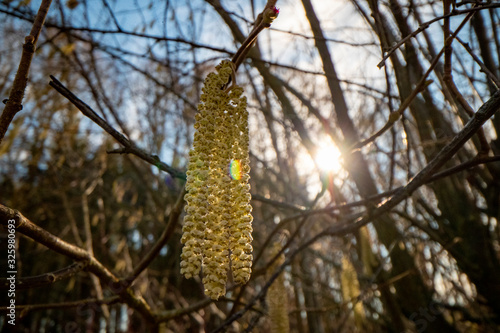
x=401 y=236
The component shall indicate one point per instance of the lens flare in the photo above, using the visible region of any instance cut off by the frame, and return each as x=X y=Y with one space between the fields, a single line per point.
x=235 y=169
x=328 y=157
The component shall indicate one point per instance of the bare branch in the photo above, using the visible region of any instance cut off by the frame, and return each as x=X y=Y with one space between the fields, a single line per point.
x=14 y=103
x=425 y=25
x=128 y=146
x=167 y=233
x=486 y=111
x=45 y=279
x=65 y=305
x=42 y=236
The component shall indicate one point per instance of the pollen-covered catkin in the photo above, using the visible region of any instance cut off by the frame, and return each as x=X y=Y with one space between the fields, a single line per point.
x=241 y=228
x=351 y=291
x=217 y=225
x=277 y=299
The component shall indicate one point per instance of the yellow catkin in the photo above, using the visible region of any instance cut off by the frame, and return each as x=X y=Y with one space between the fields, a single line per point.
x=196 y=207
x=241 y=228
x=218 y=219
x=367 y=257
x=277 y=299
x=215 y=249
x=351 y=291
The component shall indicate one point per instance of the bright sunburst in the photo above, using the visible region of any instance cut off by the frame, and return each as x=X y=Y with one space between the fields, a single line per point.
x=328 y=157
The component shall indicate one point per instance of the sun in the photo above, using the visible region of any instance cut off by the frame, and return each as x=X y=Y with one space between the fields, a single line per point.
x=328 y=157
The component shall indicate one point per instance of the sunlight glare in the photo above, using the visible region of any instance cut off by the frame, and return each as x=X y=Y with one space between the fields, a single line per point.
x=328 y=157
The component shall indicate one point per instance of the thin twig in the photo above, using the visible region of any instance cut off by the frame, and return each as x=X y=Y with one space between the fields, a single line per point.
x=374 y=198
x=14 y=104
x=421 y=85
x=263 y=21
x=42 y=236
x=128 y=146
x=425 y=25
x=478 y=61
x=167 y=233
x=448 y=75
x=171 y=314
x=45 y=279
x=65 y=305
x=486 y=111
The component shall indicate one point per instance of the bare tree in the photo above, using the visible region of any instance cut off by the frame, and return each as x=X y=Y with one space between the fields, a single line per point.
x=373 y=149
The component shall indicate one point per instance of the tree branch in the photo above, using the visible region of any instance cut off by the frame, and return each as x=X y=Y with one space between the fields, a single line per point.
x=425 y=25
x=42 y=236
x=128 y=146
x=14 y=104
x=485 y=112
x=167 y=233
x=65 y=305
x=45 y=279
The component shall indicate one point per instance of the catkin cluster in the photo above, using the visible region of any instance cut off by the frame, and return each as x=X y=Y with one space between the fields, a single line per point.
x=217 y=226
